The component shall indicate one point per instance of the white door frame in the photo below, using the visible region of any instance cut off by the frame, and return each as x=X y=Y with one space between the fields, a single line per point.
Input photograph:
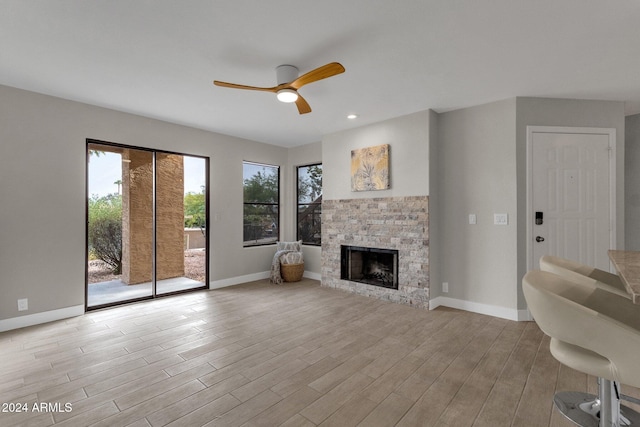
x=611 y=132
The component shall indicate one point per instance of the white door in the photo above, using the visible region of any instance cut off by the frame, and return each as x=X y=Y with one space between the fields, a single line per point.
x=571 y=194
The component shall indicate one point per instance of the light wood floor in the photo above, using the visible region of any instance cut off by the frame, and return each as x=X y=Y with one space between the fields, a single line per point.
x=294 y=354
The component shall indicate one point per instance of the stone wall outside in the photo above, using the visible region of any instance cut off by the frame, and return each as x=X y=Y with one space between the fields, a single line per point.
x=137 y=216
x=169 y=216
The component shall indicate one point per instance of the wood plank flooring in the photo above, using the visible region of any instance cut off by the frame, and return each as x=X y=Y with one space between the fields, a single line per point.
x=293 y=355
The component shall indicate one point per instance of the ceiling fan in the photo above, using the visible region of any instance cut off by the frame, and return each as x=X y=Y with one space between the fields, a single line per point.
x=289 y=83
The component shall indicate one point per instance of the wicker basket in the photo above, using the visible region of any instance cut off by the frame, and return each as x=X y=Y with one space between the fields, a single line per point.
x=291 y=272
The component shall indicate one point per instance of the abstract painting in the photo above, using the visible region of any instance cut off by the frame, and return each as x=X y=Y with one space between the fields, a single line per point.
x=370 y=168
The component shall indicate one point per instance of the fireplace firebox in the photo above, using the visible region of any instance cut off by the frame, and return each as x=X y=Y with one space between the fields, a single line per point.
x=373 y=266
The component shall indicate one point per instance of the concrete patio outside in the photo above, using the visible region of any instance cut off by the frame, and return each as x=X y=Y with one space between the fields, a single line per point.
x=113 y=291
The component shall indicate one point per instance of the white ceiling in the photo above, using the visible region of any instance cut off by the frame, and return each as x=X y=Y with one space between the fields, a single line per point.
x=158 y=58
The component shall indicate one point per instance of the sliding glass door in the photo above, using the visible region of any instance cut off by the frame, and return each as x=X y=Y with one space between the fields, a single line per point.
x=146 y=223
x=181 y=232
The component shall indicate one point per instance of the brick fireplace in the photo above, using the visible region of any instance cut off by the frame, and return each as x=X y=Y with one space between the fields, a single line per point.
x=387 y=223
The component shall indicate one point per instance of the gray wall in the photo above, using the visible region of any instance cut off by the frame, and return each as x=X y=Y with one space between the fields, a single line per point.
x=435 y=217
x=632 y=182
x=42 y=194
x=408 y=137
x=467 y=161
x=476 y=161
x=480 y=164
x=301 y=156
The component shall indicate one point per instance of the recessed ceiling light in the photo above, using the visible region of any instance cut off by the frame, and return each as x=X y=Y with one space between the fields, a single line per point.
x=352 y=116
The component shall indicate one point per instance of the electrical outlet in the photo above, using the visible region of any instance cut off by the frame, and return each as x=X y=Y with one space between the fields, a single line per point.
x=473 y=219
x=445 y=287
x=23 y=304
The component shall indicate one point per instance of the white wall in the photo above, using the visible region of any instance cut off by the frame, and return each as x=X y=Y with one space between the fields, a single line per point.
x=408 y=137
x=476 y=161
x=632 y=182
x=43 y=192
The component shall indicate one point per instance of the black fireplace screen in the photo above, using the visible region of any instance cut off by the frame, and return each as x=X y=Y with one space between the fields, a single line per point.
x=374 y=266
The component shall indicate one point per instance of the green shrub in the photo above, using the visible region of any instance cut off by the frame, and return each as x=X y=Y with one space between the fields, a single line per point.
x=105 y=230
x=194 y=210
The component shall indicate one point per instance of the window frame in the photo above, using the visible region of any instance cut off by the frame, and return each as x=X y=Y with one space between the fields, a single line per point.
x=298 y=205
x=276 y=204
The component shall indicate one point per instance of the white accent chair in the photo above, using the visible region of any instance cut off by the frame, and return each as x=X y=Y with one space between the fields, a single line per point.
x=592 y=331
x=582 y=273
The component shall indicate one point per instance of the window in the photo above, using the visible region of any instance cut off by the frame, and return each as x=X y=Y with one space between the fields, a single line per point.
x=261 y=204
x=309 y=204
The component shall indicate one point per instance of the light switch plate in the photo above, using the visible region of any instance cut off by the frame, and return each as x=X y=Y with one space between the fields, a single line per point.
x=500 y=219
x=473 y=219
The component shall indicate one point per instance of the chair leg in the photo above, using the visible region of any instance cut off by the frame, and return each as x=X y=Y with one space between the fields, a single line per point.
x=581 y=408
x=613 y=414
x=610 y=408
x=604 y=410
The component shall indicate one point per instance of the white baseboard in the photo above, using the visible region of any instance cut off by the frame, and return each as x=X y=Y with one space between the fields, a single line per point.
x=217 y=284
x=312 y=275
x=223 y=283
x=78 y=310
x=476 y=307
x=38 y=318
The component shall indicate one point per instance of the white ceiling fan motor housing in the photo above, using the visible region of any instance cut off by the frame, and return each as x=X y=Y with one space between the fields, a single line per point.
x=286 y=74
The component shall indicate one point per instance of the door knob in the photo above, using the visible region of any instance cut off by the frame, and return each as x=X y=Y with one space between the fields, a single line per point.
x=539 y=239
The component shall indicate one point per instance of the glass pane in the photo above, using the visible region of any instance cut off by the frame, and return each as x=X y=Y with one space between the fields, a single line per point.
x=309 y=221
x=309 y=204
x=120 y=224
x=180 y=223
x=260 y=183
x=260 y=224
x=309 y=183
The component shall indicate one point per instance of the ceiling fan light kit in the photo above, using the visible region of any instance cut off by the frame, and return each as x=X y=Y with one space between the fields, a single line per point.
x=287 y=95
x=289 y=83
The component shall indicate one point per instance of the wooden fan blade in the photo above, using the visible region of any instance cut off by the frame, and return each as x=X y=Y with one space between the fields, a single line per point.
x=319 y=73
x=303 y=105
x=237 y=86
